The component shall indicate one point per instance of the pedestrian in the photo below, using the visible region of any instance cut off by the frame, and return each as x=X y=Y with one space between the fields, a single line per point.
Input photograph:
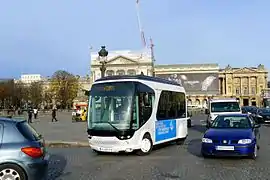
x=30 y=114
x=35 y=112
x=54 y=115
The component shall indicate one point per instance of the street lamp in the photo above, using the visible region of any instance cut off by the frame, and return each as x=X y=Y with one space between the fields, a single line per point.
x=103 y=53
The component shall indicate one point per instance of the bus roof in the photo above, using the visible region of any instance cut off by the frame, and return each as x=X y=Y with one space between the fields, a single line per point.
x=139 y=77
x=224 y=100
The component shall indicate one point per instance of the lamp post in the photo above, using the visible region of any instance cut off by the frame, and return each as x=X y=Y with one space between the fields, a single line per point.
x=103 y=53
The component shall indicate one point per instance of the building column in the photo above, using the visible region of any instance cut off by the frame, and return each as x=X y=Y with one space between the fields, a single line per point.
x=241 y=88
x=223 y=86
x=249 y=86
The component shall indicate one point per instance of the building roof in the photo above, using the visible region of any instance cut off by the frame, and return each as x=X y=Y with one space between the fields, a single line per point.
x=213 y=65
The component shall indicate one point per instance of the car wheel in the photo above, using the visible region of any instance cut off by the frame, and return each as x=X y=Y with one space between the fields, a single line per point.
x=255 y=152
x=12 y=171
x=146 y=145
x=204 y=155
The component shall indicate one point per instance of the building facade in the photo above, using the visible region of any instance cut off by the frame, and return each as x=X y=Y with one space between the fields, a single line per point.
x=122 y=63
x=245 y=84
x=30 y=78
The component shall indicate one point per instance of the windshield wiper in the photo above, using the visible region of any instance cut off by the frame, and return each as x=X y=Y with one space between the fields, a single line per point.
x=113 y=126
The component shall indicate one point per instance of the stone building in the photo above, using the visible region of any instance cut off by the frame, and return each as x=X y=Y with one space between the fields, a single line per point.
x=122 y=63
x=246 y=84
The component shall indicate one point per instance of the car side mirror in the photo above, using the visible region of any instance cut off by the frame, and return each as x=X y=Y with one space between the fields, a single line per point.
x=207 y=111
x=256 y=126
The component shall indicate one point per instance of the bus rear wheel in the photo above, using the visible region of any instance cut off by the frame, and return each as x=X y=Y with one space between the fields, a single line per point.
x=146 y=145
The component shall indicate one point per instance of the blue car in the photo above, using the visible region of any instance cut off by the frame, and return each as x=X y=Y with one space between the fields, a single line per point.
x=22 y=152
x=231 y=135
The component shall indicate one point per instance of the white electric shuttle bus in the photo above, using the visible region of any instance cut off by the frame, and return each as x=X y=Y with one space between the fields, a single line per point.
x=134 y=113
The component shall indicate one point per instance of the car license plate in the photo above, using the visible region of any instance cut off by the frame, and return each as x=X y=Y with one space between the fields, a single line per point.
x=105 y=149
x=225 y=148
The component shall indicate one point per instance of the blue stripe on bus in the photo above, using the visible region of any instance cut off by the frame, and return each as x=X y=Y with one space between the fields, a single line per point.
x=165 y=129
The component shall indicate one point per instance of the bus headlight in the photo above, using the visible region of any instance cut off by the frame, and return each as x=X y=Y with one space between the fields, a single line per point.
x=124 y=137
x=244 y=141
x=206 y=140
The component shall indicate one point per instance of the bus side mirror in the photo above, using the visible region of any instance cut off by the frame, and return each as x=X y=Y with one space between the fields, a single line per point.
x=207 y=111
x=87 y=93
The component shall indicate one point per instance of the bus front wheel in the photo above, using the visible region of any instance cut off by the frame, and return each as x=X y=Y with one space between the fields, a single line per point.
x=180 y=141
x=146 y=145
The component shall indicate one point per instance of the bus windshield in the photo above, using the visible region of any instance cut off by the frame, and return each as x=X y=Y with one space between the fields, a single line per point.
x=111 y=106
x=225 y=107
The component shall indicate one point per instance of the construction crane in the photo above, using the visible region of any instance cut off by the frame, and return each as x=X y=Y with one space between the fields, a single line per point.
x=144 y=43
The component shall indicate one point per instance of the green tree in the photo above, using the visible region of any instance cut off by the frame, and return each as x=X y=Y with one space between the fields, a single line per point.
x=64 y=87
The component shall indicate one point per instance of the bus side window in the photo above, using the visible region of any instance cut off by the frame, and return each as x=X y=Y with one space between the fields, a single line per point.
x=171 y=105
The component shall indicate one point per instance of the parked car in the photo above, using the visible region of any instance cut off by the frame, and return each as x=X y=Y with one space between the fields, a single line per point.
x=263 y=115
x=231 y=135
x=22 y=151
x=249 y=109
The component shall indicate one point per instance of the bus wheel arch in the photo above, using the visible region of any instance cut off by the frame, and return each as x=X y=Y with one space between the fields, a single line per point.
x=146 y=145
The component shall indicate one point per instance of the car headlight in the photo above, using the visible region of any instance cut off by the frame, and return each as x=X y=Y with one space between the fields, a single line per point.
x=244 y=141
x=206 y=140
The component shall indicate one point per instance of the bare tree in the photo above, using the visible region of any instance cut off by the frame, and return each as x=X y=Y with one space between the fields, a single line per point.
x=64 y=87
x=36 y=93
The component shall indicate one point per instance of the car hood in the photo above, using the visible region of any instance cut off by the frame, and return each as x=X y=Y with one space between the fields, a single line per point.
x=229 y=133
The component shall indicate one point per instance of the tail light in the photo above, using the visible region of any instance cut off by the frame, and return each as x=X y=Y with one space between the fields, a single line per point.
x=33 y=152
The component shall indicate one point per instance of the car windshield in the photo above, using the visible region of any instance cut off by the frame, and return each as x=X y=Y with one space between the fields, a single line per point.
x=110 y=106
x=225 y=107
x=240 y=122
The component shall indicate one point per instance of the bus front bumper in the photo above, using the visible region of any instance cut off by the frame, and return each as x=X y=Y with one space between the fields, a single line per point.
x=113 y=145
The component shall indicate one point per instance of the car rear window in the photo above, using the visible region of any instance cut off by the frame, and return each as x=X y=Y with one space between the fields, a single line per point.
x=28 y=131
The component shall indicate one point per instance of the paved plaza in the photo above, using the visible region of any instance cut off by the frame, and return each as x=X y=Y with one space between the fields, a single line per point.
x=64 y=130
x=167 y=163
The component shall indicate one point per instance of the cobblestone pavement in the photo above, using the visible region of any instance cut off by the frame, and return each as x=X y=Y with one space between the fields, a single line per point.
x=64 y=129
x=167 y=163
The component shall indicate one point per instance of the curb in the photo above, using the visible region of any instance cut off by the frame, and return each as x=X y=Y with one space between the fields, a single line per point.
x=65 y=144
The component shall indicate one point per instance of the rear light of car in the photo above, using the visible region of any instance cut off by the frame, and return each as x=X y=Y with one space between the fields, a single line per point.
x=33 y=152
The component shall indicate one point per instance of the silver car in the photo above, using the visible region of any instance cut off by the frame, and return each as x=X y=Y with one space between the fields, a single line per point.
x=22 y=152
